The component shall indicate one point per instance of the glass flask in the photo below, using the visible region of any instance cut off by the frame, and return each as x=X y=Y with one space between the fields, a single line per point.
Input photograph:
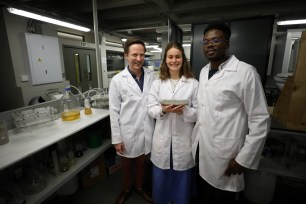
x=70 y=106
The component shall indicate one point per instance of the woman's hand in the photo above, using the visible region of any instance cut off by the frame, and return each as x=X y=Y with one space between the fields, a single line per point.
x=173 y=109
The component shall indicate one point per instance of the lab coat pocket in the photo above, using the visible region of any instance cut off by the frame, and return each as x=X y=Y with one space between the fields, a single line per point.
x=228 y=105
x=226 y=148
x=126 y=94
x=158 y=144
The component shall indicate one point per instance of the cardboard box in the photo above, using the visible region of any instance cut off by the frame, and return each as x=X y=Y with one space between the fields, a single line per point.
x=290 y=108
x=94 y=172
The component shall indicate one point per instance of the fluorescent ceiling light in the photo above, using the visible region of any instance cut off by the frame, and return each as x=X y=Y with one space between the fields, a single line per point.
x=123 y=39
x=70 y=36
x=186 y=45
x=47 y=19
x=152 y=46
x=292 y=22
x=156 y=50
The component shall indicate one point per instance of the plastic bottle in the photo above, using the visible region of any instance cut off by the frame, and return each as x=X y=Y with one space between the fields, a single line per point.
x=70 y=106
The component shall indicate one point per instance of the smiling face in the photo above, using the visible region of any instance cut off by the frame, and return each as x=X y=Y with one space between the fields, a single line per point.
x=174 y=61
x=215 y=46
x=135 y=57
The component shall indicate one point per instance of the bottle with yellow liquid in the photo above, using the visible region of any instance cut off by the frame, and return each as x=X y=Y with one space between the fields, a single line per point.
x=87 y=109
x=70 y=106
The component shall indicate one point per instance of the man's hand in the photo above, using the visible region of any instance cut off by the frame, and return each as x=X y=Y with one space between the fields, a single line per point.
x=120 y=148
x=233 y=168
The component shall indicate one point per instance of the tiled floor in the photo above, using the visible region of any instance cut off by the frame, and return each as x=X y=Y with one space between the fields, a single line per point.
x=103 y=192
x=106 y=191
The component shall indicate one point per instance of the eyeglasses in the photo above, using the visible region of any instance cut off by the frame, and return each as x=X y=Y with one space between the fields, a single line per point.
x=212 y=41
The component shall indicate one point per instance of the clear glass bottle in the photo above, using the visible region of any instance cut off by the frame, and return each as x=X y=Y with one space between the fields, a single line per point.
x=62 y=156
x=71 y=159
x=70 y=106
x=63 y=162
x=87 y=106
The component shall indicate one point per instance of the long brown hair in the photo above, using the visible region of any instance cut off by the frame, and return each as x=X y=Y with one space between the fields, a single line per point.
x=185 y=69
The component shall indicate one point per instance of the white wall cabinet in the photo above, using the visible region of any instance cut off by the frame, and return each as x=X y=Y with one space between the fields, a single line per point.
x=43 y=57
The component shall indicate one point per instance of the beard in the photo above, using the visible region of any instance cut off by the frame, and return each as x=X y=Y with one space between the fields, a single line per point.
x=215 y=55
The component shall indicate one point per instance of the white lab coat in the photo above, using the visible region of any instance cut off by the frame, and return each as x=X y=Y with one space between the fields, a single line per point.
x=233 y=122
x=171 y=128
x=130 y=122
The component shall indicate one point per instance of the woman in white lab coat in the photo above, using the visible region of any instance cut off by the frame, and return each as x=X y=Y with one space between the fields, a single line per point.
x=171 y=149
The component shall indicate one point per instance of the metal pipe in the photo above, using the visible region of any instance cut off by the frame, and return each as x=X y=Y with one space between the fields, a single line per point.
x=96 y=32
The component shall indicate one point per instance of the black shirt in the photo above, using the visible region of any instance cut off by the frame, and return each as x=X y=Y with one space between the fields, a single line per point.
x=212 y=72
x=141 y=79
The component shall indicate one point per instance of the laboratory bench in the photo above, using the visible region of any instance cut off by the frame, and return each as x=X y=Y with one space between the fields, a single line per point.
x=29 y=141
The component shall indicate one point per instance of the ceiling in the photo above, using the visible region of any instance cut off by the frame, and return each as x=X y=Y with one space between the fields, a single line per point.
x=145 y=18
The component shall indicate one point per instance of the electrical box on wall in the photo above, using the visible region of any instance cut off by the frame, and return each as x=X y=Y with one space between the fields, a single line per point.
x=43 y=57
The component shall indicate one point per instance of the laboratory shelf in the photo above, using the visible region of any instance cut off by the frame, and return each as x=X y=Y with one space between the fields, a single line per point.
x=55 y=182
x=25 y=142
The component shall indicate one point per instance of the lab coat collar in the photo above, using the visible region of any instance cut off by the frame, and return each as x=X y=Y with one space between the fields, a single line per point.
x=147 y=78
x=129 y=78
x=228 y=65
x=179 y=84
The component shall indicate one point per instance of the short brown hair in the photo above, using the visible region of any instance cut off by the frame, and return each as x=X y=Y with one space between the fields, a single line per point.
x=132 y=41
x=185 y=69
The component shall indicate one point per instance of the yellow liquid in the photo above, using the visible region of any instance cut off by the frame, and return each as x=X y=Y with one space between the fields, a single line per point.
x=88 y=111
x=71 y=115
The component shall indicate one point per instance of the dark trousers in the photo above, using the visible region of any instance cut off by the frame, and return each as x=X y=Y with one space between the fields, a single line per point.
x=133 y=168
x=211 y=195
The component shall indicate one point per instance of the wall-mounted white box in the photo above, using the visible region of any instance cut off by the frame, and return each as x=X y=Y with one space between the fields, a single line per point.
x=43 y=57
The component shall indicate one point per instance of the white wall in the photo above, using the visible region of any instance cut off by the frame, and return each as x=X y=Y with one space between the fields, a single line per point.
x=16 y=26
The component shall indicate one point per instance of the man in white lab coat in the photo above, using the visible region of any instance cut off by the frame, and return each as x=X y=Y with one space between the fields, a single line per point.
x=131 y=126
x=233 y=120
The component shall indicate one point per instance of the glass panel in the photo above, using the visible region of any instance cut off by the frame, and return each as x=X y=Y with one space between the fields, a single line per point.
x=115 y=60
x=88 y=66
x=77 y=71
